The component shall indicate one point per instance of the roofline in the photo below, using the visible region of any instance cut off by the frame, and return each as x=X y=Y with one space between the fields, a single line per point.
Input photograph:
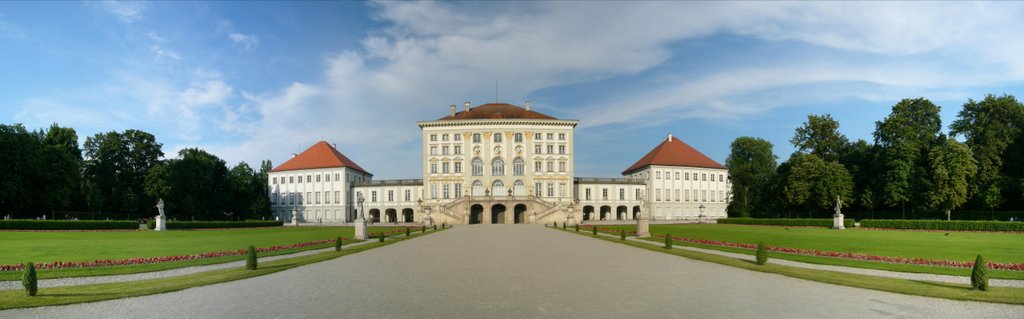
x=320 y=167
x=439 y=123
x=690 y=166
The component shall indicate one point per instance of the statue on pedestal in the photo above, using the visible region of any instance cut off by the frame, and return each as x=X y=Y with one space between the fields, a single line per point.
x=837 y=218
x=161 y=220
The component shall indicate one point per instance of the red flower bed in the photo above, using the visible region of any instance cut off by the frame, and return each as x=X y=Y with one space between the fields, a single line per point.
x=153 y=260
x=857 y=256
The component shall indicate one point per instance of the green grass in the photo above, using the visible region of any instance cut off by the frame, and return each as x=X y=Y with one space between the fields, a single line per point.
x=902 y=286
x=91 y=293
x=19 y=247
x=961 y=246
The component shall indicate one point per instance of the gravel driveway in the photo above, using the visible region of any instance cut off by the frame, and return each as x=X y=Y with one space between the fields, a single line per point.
x=521 y=271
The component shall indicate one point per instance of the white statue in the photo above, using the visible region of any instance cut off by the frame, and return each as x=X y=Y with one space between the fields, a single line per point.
x=839 y=205
x=160 y=207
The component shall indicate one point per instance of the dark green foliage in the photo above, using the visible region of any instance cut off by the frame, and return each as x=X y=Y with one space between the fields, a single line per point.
x=815 y=222
x=435 y=227
x=751 y=167
x=594 y=229
x=151 y=224
x=407 y=232
x=116 y=168
x=337 y=244
x=577 y=227
x=979 y=275
x=564 y=225
x=226 y=224
x=250 y=258
x=622 y=234
x=28 y=279
x=762 y=253
x=381 y=237
x=668 y=241
x=32 y=224
x=423 y=230
x=943 y=225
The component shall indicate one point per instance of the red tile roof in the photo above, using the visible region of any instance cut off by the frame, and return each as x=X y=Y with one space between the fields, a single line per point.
x=673 y=152
x=320 y=155
x=497 y=111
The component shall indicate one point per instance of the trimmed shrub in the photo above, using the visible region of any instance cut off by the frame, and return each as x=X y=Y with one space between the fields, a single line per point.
x=407 y=232
x=31 y=224
x=622 y=234
x=423 y=230
x=979 y=275
x=577 y=227
x=762 y=253
x=381 y=237
x=435 y=226
x=564 y=225
x=594 y=230
x=943 y=225
x=151 y=224
x=337 y=244
x=668 y=241
x=813 y=222
x=250 y=258
x=28 y=279
x=222 y=224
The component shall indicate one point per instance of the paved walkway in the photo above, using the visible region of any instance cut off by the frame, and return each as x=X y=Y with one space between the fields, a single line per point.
x=851 y=270
x=517 y=271
x=78 y=281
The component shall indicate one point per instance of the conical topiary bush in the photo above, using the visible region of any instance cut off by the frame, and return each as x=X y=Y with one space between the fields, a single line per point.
x=762 y=253
x=979 y=275
x=28 y=279
x=250 y=258
x=337 y=244
x=668 y=241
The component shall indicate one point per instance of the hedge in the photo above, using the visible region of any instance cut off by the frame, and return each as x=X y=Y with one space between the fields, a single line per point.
x=816 y=222
x=31 y=224
x=216 y=224
x=943 y=225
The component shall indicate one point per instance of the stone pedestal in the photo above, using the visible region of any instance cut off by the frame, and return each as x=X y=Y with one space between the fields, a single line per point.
x=837 y=221
x=701 y=219
x=571 y=220
x=643 y=227
x=360 y=229
x=161 y=223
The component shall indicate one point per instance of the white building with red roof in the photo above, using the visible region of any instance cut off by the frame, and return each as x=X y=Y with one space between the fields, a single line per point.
x=500 y=163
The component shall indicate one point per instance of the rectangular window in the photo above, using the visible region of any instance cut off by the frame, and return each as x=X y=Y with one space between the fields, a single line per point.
x=561 y=167
x=444 y=150
x=433 y=191
x=444 y=167
x=444 y=191
x=458 y=149
x=337 y=177
x=721 y=178
x=536 y=136
x=687 y=195
x=587 y=192
x=551 y=189
x=622 y=194
x=551 y=149
x=537 y=187
x=317 y=178
x=561 y=136
x=637 y=194
x=373 y=196
x=497 y=137
x=561 y=189
x=657 y=175
x=317 y=196
x=704 y=196
x=677 y=176
x=337 y=197
x=519 y=137
x=457 y=137
x=444 y=137
x=561 y=149
x=604 y=194
x=668 y=193
x=721 y=194
x=537 y=166
x=309 y=178
x=327 y=177
x=433 y=150
x=458 y=190
x=458 y=167
x=291 y=179
x=273 y=181
x=433 y=168
x=686 y=176
x=704 y=177
x=433 y=137
x=476 y=137
x=551 y=136
x=657 y=195
x=551 y=167
x=408 y=193
x=677 y=196
x=391 y=196
x=536 y=149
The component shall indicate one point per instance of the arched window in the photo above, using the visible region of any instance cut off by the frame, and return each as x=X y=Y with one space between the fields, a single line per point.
x=498 y=167
x=478 y=167
x=518 y=188
x=478 y=188
x=498 y=188
x=518 y=167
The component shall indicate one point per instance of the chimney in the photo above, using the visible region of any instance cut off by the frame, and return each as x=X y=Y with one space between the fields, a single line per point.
x=527 y=105
x=669 y=137
x=467 y=106
x=451 y=110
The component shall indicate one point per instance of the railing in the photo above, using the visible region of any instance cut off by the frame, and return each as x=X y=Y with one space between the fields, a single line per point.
x=608 y=180
x=390 y=182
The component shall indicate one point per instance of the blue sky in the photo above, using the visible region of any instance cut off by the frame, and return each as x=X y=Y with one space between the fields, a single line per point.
x=262 y=80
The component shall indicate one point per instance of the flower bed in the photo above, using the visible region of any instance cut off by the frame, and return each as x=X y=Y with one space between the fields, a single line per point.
x=154 y=260
x=833 y=254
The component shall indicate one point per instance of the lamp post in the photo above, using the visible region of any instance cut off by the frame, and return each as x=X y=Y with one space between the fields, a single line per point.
x=360 y=231
x=700 y=218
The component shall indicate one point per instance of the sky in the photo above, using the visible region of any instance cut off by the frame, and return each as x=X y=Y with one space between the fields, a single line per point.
x=249 y=81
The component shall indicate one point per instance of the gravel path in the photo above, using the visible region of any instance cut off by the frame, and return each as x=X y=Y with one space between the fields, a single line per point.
x=77 y=281
x=852 y=270
x=521 y=271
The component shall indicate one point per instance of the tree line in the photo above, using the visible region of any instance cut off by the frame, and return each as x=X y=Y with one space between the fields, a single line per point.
x=911 y=167
x=121 y=175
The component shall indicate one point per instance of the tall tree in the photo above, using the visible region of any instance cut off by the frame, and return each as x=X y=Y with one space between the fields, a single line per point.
x=194 y=185
x=951 y=165
x=815 y=183
x=60 y=181
x=751 y=168
x=820 y=136
x=19 y=160
x=990 y=126
x=116 y=166
x=905 y=138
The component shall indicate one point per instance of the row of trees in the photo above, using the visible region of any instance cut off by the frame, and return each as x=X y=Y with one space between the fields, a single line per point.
x=45 y=172
x=910 y=166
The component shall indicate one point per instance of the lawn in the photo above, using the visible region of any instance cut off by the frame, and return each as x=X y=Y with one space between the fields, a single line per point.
x=18 y=247
x=959 y=246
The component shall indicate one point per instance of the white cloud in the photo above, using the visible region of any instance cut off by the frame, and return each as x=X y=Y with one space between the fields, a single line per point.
x=248 y=42
x=162 y=53
x=156 y=38
x=126 y=11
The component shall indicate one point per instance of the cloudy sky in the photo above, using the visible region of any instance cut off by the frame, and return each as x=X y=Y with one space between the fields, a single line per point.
x=253 y=81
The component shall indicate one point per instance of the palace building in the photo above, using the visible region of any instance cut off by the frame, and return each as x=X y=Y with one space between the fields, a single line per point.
x=500 y=163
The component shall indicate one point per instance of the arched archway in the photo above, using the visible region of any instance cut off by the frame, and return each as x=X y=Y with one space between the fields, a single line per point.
x=408 y=214
x=498 y=214
x=621 y=212
x=520 y=213
x=588 y=212
x=606 y=212
x=390 y=215
x=636 y=212
x=375 y=215
x=476 y=213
